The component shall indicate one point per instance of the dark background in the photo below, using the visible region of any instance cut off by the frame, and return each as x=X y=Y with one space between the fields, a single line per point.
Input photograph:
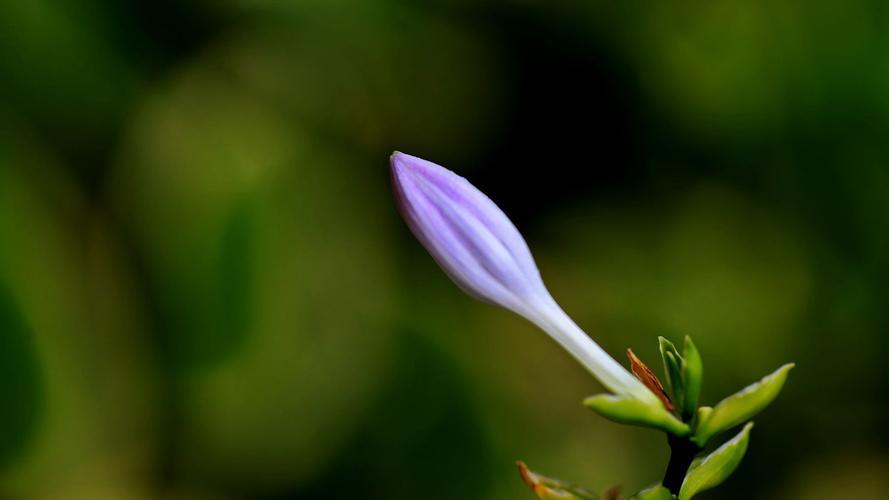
x=206 y=293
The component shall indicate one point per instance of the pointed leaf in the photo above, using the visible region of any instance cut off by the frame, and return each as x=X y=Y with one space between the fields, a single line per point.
x=692 y=377
x=741 y=406
x=672 y=370
x=715 y=467
x=654 y=493
x=632 y=411
x=552 y=489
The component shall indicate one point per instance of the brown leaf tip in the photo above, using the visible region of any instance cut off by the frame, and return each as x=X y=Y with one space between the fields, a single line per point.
x=532 y=480
x=527 y=475
x=647 y=377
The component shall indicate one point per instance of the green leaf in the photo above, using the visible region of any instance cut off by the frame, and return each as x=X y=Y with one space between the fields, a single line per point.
x=740 y=407
x=654 y=493
x=692 y=377
x=677 y=391
x=631 y=411
x=547 y=488
x=684 y=374
x=715 y=467
x=672 y=371
x=704 y=412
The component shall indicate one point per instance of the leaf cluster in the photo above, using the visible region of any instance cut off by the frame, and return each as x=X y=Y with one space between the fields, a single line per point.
x=679 y=414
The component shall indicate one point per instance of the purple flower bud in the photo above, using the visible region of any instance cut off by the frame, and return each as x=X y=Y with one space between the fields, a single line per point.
x=481 y=250
x=468 y=235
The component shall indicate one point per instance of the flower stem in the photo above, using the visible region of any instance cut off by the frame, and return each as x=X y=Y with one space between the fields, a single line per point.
x=682 y=453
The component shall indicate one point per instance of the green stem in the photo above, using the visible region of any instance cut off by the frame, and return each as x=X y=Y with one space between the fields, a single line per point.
x=682 y=453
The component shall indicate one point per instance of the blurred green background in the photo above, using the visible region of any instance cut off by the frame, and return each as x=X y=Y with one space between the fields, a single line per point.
x=206 y=293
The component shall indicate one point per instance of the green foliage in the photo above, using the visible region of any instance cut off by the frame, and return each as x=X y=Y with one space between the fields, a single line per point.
x=715 y=467
x=673 y=371
x=692 y=377
x=739 y=407
x=654 y=493
x=632 y=411
x=684 y=375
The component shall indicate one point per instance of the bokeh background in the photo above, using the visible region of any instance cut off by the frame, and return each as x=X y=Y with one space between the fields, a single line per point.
x=206 y=293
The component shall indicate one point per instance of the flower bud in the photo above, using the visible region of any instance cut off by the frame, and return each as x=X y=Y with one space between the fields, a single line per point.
x=481 y=250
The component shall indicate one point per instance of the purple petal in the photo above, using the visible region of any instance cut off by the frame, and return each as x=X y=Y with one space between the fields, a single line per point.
x=477 y=245
x=472 y=240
